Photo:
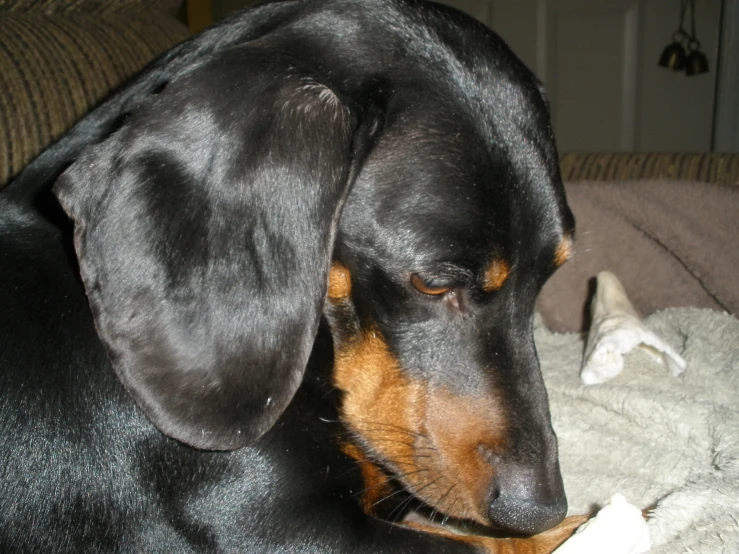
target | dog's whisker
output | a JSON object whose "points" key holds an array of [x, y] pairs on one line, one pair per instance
{"points": [[401, 476], [391, 478], [413, 495], [446, 512], [384, 498], [399, 509], [404, 443], [439, 503], [408, 473], [411, 456], [392, 426], [397, 461], [427, 485]]}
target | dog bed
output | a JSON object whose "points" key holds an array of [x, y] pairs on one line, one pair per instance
{"points": [[668, 444]]}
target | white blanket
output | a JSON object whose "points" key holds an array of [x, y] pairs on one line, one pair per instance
{"points": [[666, 443]]}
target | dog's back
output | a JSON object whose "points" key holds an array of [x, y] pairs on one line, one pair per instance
{"points": [[83, 470], [68, 431]]}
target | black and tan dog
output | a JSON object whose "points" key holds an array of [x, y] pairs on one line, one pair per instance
{"points": [[386, 165]]}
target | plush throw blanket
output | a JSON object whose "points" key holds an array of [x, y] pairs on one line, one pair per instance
{"points": [[666, 443]]}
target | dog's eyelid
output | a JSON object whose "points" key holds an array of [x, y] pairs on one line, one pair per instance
{"points": [[428, 286]]}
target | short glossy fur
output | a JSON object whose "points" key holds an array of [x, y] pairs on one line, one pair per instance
{"points": [[385, 165]]}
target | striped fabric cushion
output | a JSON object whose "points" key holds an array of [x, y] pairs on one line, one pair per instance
{"points": [[53, 68], [623, 166], [91, 6]]}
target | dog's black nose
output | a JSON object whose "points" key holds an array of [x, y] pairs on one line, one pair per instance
{"points": [[527, 500]]}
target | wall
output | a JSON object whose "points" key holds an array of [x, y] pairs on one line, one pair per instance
{"points": [[598, 59], [222, 8]]}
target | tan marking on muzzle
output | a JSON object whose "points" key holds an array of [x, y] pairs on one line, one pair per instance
{"points": [[435, 441], [466, 430], [376, 482], [380, 404], [543, 543]]}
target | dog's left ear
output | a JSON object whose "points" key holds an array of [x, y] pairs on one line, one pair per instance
{"points": [[204, 228]]}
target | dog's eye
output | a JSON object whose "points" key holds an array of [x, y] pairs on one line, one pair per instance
{"points": [[425, 288]]}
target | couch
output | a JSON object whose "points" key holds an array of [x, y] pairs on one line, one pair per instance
{"points": [[58, 58]]}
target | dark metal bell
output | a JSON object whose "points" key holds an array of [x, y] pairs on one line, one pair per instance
{"points": [[673, 57], [696, 63]]}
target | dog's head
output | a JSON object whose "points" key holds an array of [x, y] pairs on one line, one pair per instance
{"points": [[390, 165], [452, 227]]}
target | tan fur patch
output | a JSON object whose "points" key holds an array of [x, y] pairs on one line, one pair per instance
{"points": [[495, 275], [339, 282], [564, 251], [380, 404], [464, 430], [434, 440], [376, 483], [543, 543]]}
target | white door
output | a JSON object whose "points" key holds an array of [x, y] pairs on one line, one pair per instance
{"points": [[598, 60]]}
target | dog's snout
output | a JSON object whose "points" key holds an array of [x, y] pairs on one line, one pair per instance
{"points": [[527, 499]]}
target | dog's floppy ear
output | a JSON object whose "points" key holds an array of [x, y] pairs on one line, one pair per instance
{"points": [[204, 229]]}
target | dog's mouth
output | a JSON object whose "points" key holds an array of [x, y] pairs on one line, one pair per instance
{"points": [[419, 469], [434, 443], [426, 516], [387, 497]]}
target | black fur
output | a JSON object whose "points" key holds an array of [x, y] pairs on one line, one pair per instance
{"points": [[209, 197]]}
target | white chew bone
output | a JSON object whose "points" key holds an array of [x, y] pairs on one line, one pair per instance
{"points": [[618, 528], [615, 331]]}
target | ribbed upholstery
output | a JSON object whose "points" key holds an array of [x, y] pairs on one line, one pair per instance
{"points": [[58, 59], [98, 7], [625, 166]]}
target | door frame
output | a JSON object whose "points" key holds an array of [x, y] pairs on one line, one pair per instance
{"points": [[726, 105]]}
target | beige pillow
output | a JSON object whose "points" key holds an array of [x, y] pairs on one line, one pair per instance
{"points": [[671, 243]]}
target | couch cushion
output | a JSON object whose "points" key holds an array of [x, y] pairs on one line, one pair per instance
{"points": [[91, 6], [707, 167], [671, 243], [54, 68]]}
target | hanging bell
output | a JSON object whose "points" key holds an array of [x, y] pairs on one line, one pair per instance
{"points": [[673, 57], [696, 62]]}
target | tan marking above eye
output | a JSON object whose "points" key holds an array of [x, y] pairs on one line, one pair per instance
{"points": [[339, 282], [495, 275], [419, 285], [564, 251]]}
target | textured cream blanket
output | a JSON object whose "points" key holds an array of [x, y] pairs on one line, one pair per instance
{"points": [[666, 443]]}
